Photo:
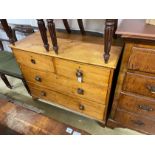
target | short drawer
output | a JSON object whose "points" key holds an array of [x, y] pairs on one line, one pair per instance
{"points": [[84, 72], [36, 61], [142, 59], [140, 84], [65, 85], [137, 104], [86, 107], [135, 122]]}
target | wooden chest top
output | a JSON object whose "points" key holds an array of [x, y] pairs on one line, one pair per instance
{"points": [[85, 49]]}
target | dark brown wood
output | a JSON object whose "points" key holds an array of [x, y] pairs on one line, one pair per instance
{"points": [[1, 46], [66, 25], [20, 120], [8, 30], [11, 33], [134, 99], [51, 27], [136, 28], [26, 86], [108, 35], [80, 23], [4, 78], [43, 33]]}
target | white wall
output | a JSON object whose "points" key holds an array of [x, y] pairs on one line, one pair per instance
{"points": [[95, 25]]}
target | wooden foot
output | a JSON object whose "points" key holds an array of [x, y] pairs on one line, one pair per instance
{"points": [[66, 25], [5, 80], [34, 98], [108, 35], [112, 123], [102, 124], [43, 33], [51, 28]]}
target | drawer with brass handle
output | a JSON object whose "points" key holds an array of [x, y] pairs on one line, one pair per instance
{"points": [[134, 121], [143, 106], [140, 84], [83, 73], [89, 108], [36, 61], [64, 85]]}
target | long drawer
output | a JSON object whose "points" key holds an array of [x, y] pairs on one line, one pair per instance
{"points": [[89, 108], [65, 85], [88, 73], [137, 104], [142, 59], [134, 121], [36, 61], [140, 84]]}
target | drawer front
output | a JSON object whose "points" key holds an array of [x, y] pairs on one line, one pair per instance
{"points": [[87, 73], [137, 104], [89, 108], [135, 122], [140, 84], [142, 59], [64, 85], [36, 61]]}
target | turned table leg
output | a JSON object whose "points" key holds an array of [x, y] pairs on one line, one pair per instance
{"points": [[43, 33], [108, 36], [8, 30], [51, 27], [80, 23], [5, 80], [66, 25]]}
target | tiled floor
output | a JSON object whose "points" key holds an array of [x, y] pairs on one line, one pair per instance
{"points": [[20, 94]]}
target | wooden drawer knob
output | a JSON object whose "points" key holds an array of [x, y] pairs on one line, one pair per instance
{"points": [[38, 78], [43, 93], [80, 91], [145, 108], [81, 107], [33, 61]]}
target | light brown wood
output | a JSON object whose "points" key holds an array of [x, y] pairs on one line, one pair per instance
{"points": [[143, 106], [34, 60], [64, 85], [73, 48], [142, 59], [91, 74], [91, 109], [139, 84]]}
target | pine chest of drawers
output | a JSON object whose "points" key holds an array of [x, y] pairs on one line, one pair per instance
{"points": [[77, 78], [134, 100]]}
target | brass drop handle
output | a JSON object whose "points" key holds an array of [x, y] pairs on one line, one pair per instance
{"points": [[43, 93], [80, 91], [137, 122], [145, 108], [79, 76], [33, 61], [38, 78], [79, 73], [151, 88], [81, 107]]}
